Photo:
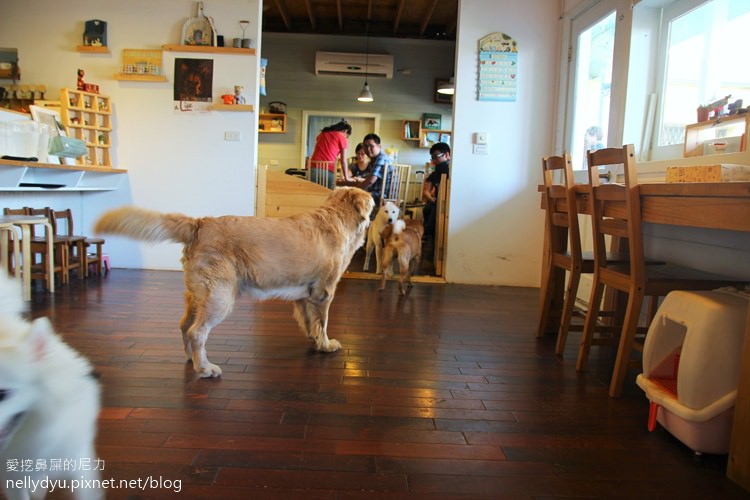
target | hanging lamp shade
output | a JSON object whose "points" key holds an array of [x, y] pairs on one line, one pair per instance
{"points": [[365, 95], [448, 88]]}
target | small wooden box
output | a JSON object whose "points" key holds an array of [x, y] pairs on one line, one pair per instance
{"points": [[708, 173]]}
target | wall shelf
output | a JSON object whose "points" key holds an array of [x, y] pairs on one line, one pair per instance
{"points": [[208, 49], [140, 78], [93, 49], [219, 106], [88, 116], [271, 123], [32, 176]]}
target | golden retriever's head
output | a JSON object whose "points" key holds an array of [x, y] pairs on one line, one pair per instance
{"points": [[360, 199]]}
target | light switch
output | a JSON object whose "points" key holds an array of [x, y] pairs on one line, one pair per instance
{"points": [[480, 137], [479, 149]]}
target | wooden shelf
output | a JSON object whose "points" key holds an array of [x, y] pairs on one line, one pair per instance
{"points": [[93, 49], [207, 49], [410, 130], [33, 176], [219, 106], [88, 116], [271, 123], [140, 78], [727, 127]]}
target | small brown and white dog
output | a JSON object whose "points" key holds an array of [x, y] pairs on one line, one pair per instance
{"points": [[402, 239], [298, 258], [387, 214]]}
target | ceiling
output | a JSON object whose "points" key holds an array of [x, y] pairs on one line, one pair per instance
{"points": [[421, 19]]}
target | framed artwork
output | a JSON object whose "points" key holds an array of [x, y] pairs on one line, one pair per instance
{"points": [[442, 98], [431, 121], [51, 118]]}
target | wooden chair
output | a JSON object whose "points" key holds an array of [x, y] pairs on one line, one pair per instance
{"points": [[562, 250], [616, 212], [93, 257], [38, 245], [63, 230], [395, 186], [317, 172]]}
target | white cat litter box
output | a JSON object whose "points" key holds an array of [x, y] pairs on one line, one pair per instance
{"points": [[691, 366]]}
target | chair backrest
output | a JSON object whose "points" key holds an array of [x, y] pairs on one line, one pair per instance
{"points": [[395, 185], [561, 215], [616, 212], [17, 211], [45, 212], [317, 172], [62, 222]]}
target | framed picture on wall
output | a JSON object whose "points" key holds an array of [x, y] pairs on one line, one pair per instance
{"points": [[431, 121], [442, 98]]}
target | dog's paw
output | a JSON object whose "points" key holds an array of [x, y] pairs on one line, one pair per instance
{"points": [[209, 370], [332, 345]]}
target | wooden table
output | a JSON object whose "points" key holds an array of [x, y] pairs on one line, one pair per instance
{"points": [[24, 222], [723, 205]]}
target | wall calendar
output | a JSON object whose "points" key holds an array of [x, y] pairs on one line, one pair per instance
{"points": [[498, 68]]}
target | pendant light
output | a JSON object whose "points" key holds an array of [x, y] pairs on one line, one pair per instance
{"points": [[447, 88], [365, 95]]}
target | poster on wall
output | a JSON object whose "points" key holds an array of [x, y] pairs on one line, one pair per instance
{"points": [[498, 68], [193, 84]]}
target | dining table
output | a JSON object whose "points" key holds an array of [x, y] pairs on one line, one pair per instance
{"points": [[24, 223], [712, 205]]}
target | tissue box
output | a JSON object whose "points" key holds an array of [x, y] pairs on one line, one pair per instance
{"points": [[708, 173]]}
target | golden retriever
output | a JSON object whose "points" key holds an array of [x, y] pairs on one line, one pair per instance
{"points": [[402, 239], [298, 258]]}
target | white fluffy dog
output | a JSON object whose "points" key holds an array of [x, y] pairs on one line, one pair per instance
{"points": [[49, 403], [387, 214]]}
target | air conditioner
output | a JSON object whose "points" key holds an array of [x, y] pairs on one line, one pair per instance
{"points": [[347, 63]]}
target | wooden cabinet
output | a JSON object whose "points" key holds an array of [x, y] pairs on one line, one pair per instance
{"points": [[271, 123], [88, 116], [728, 134], [412, 131]]}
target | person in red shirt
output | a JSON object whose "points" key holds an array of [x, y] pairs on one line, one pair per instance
{"points": [[330, 144]]}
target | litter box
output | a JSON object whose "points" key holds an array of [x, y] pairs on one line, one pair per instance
{"points": [[691, 365]]}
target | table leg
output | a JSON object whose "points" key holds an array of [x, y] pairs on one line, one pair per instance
{"points": [[48, 234], [26, 256]]}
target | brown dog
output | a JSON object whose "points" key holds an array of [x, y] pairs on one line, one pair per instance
{"points": [[404, 240], [299, 258]]}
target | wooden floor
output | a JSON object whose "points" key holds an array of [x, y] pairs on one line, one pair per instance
{"points": [[443, 394]]}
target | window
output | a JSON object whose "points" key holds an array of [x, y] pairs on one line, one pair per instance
{"points": [[705, 61]]}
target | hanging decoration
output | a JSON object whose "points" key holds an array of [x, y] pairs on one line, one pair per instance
{"points": [[498, 68]]}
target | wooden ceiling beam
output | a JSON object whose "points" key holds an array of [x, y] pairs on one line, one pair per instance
{"points": [[340, 13], [399, 13], [428, 17], [283, 15], [310, 14]]}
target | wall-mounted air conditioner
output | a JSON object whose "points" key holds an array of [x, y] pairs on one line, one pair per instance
{"points": [[351, 64]]}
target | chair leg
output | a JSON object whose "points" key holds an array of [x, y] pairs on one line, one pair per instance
{"points": [[627, 337], [589, 326], [567, 312], [545, 298]]}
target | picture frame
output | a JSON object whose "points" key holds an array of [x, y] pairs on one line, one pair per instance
{"points": [[442, 98], [431, 121], [51, 118]]}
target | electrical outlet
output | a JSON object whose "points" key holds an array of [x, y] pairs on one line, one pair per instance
{"points": [[232, 135]]}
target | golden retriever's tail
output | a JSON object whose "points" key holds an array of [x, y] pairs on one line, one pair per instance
{"points": [[148, 225]]}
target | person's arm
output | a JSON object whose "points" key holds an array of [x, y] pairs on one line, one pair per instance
{"points": [[361, 184], [345, 166]]}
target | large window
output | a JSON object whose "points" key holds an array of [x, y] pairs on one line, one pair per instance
{"points": [[705, 61]]}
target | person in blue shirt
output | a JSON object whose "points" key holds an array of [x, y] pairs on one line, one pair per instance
{"points": [[380, 166]]}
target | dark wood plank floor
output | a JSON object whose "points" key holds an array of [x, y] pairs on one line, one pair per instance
{"points": [[443, 394]]}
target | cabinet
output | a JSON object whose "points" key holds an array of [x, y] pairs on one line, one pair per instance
{"points": [[727, 134], [88, 116], [271, 123], [410, 130]]}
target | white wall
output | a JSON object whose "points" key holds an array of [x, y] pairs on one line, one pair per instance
{"points": [[495, 229], [175, 162]]}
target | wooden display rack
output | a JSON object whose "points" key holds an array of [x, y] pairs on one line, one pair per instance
{"points": [[88, 116], [141, 65]]}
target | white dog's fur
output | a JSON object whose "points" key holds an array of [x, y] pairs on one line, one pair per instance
{"points": [[49, 402], [387, 214], [299, 258]]}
